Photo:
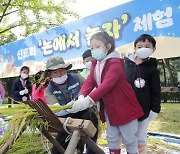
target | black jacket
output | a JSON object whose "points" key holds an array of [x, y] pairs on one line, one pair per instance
{"points": [[17, 87], [145, 81]]}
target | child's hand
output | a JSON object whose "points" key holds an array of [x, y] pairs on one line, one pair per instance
{"points": [[152, 116], [80, 97], [26, 90], [22, 92], [80, 105]]}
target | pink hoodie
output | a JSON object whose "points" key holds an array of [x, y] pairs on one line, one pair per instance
{"points": [[2, 91], [38, 94]]}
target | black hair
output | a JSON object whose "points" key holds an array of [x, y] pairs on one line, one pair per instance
{"points": [[24, 68], [86, 54], [38, 75], [105, 38], [143, 38], [41, 75]]}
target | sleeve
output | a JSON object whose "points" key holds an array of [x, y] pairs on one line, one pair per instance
{"points": [[29, 87], [155, 90], [34, 92], [51, 99], [113, 73], [15, 91]]}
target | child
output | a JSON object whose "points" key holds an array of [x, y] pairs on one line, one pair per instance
{"points": [[118, 104], [143, 75], [87, 61], [39, 87], [21, 87]]}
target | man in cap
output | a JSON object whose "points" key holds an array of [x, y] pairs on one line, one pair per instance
{"points": [[87, 61], [62, 89]]}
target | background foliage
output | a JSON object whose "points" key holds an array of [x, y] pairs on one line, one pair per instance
{"points": [[32, 16]]}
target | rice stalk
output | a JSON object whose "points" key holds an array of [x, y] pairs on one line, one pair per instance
{"points": [[22, 115]]}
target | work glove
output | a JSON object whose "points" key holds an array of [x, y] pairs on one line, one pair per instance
{"points": [[62, 113], [56, 104], [25, 90], [22, 92], [152, 116], [80, 97], [81, 104]]}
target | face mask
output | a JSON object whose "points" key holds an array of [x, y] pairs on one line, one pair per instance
{"points": [[144, 53], [60, 80], [88, 64], [24, 75], [98, 54]]}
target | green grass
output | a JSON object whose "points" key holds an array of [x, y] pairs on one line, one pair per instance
{"points": [[168, 120]]}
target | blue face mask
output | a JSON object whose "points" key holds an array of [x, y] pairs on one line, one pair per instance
{"points": [[98, 54]]}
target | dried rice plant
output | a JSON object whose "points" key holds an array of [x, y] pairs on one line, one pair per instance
{"points": [[21, 115]]}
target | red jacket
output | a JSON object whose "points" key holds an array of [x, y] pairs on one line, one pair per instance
{"points": [[118, 98], [38, 94]]}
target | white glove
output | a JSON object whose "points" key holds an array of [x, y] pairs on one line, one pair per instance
{"points": [[26, 90], [80, 97], [56, 104], [62, 113], [152, 116], [70, 103], [98, 105], [22, 92], [81, 104]]}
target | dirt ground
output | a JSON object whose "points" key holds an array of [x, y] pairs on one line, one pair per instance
{"points": [[152, 149]]}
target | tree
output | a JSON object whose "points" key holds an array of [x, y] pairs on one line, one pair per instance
{"points": [[169, 68], [32, 16]]}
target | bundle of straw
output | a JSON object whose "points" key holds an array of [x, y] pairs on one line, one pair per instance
{"points": [[22, 115]]}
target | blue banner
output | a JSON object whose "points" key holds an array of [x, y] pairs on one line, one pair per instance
{"points": [[159, 18]]}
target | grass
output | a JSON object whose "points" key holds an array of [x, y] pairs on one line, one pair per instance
{"points": [[168, 122]]}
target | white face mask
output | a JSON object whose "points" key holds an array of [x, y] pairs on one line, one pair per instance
{"points": [[88, 64], [24, 75], [144, 53], [60, 80]]}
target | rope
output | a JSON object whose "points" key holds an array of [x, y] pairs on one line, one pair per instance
{"points": [[81, 125], [65, 128]]}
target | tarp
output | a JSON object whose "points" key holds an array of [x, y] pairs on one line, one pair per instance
{"points": [[159, 18]]}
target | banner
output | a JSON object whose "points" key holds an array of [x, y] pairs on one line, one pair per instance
{"points": [[159, 18]]}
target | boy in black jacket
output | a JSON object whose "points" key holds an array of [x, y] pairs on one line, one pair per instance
{"points": [[143, 75]]}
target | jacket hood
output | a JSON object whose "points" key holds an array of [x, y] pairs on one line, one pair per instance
{"points": [[148, 61], [113, 54]]}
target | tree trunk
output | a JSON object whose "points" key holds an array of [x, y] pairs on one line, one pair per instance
{"points": [[166, 62]]}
